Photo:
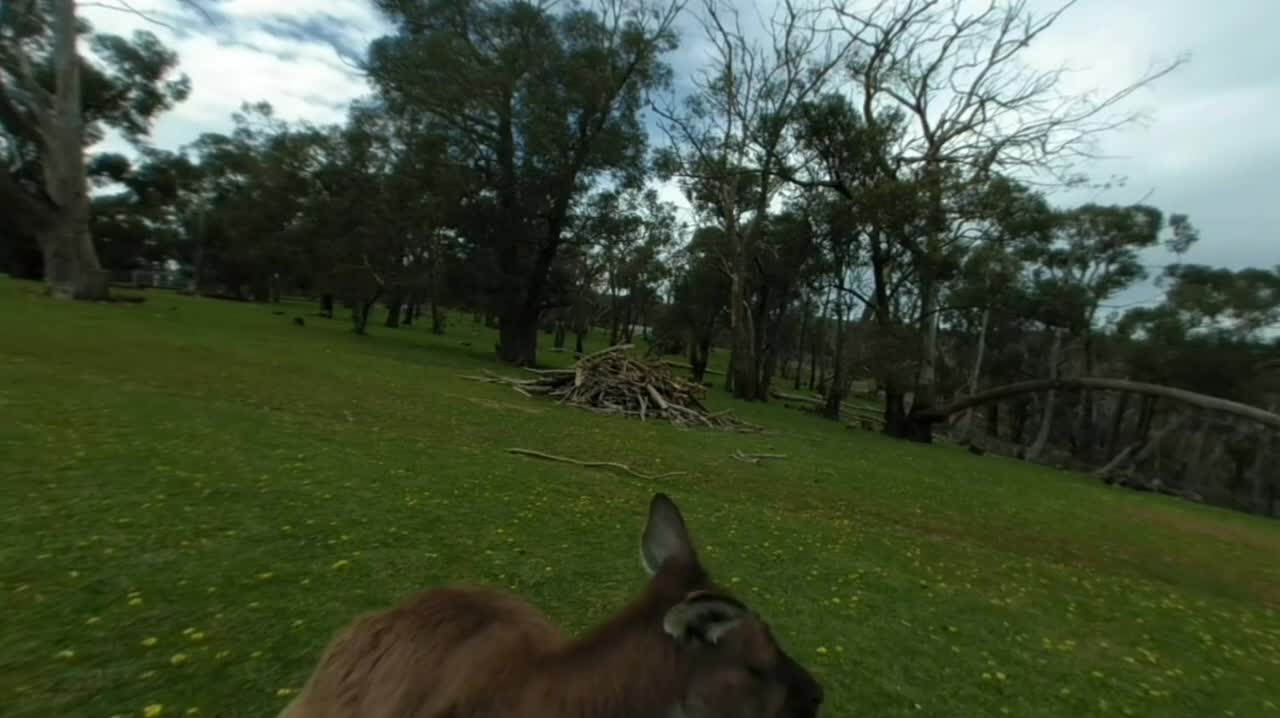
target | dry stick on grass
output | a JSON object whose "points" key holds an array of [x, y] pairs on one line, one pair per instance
{"points": [[755, 458], [591, 464]]}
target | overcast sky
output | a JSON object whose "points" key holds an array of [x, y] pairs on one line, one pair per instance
{"points": [[1211, 149]]}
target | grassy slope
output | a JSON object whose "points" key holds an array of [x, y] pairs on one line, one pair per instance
{"points": [[207, 475]]}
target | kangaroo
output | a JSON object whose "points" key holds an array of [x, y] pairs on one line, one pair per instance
{"points": [[683, 647]]}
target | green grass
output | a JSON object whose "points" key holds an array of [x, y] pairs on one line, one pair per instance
{"points": [[210, 476]]}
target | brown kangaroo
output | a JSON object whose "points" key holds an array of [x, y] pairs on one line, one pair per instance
{"points": [[683, 648]]}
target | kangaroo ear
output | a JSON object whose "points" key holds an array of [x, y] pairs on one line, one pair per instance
{"points": [[665, 535], [703, 616]]}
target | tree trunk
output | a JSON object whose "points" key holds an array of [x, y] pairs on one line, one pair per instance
{"points": [[1140, 450], [629, 327], [518, 323], [561, 334], [835, 391], [1258, 471], [614, 321], [1117, 423], [1084, 429], [895, 407], [360, 311], [804, 331], [699, 352], [1198, 466], [926, 379], [925, 394], [1046, 419], [697, 363], [895, 410], [1145, 415], [72, 270], [993, 420], [438, 317], [814, 347], [518, 339], [410, 311], [394, 303], [326, 305], [1021, 412], [742, 359], [967, 432], [819, 339]]}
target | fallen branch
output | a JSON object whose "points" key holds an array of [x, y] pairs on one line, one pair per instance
{"points": [[593, 464], [754, 458], [1202, 401]]}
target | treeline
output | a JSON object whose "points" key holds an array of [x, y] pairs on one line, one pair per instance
{"points": [[867, 193]]}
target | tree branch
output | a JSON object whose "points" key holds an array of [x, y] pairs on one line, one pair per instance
{"points": [[1203, 401]]}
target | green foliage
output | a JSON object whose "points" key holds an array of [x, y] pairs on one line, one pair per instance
{"points": [[702, 286], [132, 85], [1093, 253], [540, 104], [237, 489], [125, 82], [1246, 301]]}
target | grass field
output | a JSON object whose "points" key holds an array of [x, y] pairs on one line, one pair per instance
{"points": [[196, 494]]}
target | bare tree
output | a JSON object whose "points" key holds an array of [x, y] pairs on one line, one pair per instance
{"points": [[729, 138], [975, 107]]}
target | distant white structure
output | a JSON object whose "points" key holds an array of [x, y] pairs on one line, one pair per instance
{"points": [[158, 279]]}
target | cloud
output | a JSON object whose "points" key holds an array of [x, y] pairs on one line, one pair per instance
{"points": [[252, 51], [1210, 148]]}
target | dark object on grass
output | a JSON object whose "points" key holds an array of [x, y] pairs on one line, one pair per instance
{"points": [[976, 450], [300, 321]]}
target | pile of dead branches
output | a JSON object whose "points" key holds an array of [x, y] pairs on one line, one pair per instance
{"points": [[612, 382]]}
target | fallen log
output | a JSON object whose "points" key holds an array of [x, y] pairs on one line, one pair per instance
{"points": [[1202, 401]]}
